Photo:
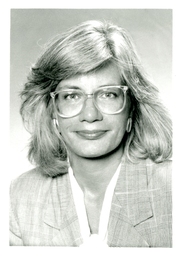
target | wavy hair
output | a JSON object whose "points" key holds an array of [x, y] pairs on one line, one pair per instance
{"points": [[82, 49]]}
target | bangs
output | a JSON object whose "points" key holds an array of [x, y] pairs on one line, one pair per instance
{"points": [[80, 56], [85, 49]]}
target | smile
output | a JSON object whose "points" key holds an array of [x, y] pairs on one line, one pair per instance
{"points": [[91, 135]]}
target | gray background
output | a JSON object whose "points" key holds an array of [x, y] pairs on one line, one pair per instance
{"points": [[151, 31]]}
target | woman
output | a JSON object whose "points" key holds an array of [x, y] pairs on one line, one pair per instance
{"points": [[101, 141]]}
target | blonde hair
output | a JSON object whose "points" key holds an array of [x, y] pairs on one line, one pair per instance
{"points": [[82, 49]]}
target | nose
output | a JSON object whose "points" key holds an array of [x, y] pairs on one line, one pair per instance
{"points": [[89, 112]]}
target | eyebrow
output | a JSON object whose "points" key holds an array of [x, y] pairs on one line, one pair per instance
{"points": [[69, 87]]}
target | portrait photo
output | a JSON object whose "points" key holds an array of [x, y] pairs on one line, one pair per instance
{"points": [[91, 128]]}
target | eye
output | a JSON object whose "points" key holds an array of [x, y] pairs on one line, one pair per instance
{"points": [[73, 96], [108, 95]]}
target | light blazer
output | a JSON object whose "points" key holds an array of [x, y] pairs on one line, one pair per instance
{"points": [[43, 211]]}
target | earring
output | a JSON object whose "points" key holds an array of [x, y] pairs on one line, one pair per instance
{"points": [[55, 122], [129, 124]]}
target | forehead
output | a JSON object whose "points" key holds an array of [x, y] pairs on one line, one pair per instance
{"points": [[108, 75]]}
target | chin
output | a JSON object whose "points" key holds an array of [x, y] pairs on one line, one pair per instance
{"points": [[95, 153], [89, 153], [94, 149]]}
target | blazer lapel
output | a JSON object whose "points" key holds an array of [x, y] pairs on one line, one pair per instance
{"points": [[130, 206], [61, 215]]}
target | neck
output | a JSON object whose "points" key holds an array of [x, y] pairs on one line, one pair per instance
{"points": [[94, 174]]}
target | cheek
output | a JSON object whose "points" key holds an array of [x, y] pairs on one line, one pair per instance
{"points": [[118, 124], [119, 127], [63, 126], [119, 121]]}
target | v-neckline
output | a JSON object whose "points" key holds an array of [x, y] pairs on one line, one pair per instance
{"points": [[81, 209]]}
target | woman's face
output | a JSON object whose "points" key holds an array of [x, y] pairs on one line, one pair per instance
{"points": [[92, 133]]}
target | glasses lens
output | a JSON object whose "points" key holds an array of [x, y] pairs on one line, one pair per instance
{"points": [[110, 100], [69, 103]]}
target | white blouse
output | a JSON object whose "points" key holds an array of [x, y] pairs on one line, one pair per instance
{"points": [[100, 239]]}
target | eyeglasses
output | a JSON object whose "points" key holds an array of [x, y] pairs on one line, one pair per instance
{"points": [[110, 99]]}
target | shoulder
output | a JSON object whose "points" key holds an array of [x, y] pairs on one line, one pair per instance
{"points": [[30, 180], [159, 174], [32, 184]]}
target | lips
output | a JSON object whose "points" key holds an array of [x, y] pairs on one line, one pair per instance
{"points": [[91, 134]]}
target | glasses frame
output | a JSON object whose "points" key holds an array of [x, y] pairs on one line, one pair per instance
{"points": [[124, 88]]}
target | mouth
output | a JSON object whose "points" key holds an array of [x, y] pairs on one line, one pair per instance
{"points": [[91, 135]]}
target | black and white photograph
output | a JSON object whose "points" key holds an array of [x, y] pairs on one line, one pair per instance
{"points": [[91, 128]]}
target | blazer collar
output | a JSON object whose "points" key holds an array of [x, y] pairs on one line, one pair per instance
{"points": [[60, 213], [60, 206], [130, 205], [131, 192]]}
